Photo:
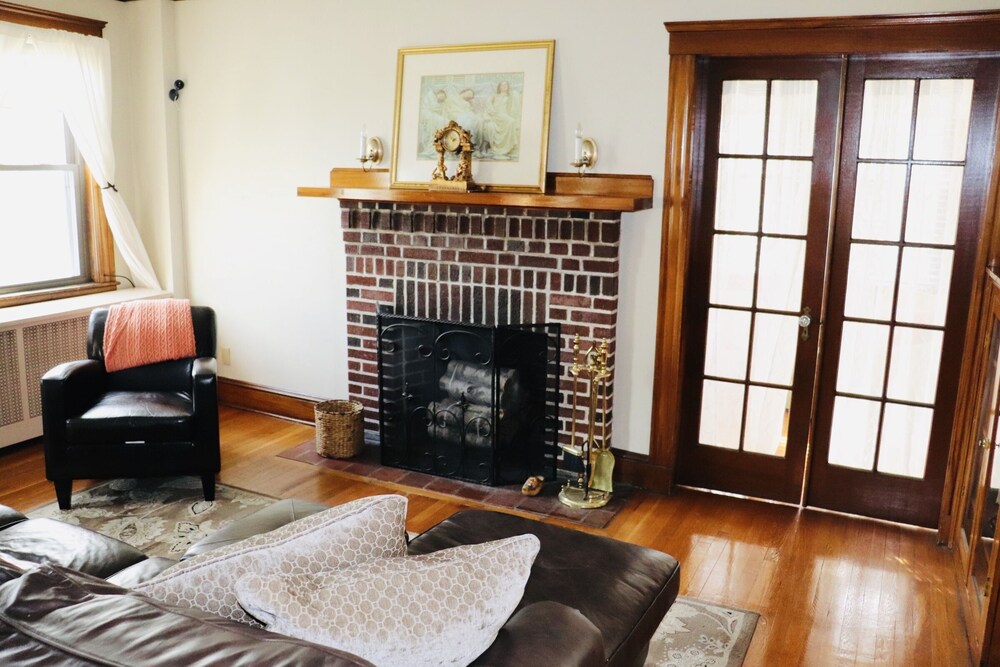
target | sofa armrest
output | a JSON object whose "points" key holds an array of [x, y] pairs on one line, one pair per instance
{"points": [[55, 616], [546, 633]]}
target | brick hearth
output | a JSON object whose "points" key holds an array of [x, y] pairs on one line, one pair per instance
{"points": [[481, 265]]}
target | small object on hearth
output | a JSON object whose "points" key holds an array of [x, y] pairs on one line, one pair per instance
{"points": [[340, 429], [533, 485]]}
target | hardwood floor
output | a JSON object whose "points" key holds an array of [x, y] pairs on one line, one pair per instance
{"points": [[831, 590]]}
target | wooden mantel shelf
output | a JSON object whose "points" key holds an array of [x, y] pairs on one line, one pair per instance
{"points": [[592, 192]]}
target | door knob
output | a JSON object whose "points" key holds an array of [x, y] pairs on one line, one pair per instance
{"points": [[805, 319]]}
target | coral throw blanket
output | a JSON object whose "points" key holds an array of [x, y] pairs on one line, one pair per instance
{"points": [[146, 332]]}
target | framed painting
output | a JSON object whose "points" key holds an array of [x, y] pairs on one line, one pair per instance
{"points": [[500, 93]]}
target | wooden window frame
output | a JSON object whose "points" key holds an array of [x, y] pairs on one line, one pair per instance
{"points": [[952, 32], [100, 245]]}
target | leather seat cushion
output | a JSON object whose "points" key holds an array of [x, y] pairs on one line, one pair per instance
{"points": [[50, 541], [623, 589], [120, 416]]}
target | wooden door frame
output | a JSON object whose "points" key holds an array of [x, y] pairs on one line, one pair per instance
{"points": [[951, 32]]}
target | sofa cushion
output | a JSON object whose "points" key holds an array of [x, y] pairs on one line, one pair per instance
{"points": [[263, 520], [349, 534], [443, 608], [623, 589], [141, 572], [59, 618], [50, 541]]}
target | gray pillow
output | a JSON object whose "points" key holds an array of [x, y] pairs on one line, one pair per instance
{"points": [[439, 609], [350, 534]]}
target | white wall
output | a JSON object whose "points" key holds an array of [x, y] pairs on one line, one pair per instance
{"points": [[276, 95]]}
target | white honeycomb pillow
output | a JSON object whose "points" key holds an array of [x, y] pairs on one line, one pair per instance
{"points": [[439, 609], [342, 536]]}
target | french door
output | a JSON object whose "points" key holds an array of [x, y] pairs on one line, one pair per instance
{"points": [[835, 232], [759, 251]]}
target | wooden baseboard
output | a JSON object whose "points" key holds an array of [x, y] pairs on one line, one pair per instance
{"points": [[636, 469], [268, 401]]}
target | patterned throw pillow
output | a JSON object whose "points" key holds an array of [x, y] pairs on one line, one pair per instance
{"points": [[343, 536], [442, 608]]}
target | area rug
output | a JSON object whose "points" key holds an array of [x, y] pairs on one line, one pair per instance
{"points": [[368, 467], [158, 516], [699, 634]]}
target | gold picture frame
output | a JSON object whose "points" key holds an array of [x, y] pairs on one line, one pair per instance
{"points": [[501, 93]]}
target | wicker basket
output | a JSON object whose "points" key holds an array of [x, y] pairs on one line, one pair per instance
{"points": [[340, 430]]}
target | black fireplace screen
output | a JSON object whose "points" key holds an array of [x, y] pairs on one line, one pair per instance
{"points": [[471, 402]]}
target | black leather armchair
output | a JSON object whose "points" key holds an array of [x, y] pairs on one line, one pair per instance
{"points": [[149, 421]]}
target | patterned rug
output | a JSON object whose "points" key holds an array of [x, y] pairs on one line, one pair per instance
{"points": [[158, 516], [699, 634]]}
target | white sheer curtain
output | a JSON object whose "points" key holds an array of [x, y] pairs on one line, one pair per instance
{"points": [[72, 73], [10, 53]]}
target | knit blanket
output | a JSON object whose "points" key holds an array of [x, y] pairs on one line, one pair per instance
{"points": [[146, 332]]}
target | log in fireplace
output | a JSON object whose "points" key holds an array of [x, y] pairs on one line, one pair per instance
{"points": [[472, 402]]}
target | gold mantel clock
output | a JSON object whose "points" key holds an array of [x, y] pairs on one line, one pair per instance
{"points": [[453, 139]]}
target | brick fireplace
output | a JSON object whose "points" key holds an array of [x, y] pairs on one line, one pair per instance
{"points": [[486, 265]]}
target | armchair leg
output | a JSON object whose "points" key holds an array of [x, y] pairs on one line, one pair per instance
{"points": [[208, 486], [64, 491]]}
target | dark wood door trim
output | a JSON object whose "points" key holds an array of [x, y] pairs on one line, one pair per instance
{"points": [[898, 33], [682, 112]]}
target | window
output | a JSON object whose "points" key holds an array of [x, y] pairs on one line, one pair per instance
{"points": [[41, 203], [54, 239]]}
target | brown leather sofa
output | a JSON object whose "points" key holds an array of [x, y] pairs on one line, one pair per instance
{"points": [[589, 600]]}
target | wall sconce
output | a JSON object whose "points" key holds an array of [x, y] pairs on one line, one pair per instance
{"points": [[370, 151], [584, 151]]}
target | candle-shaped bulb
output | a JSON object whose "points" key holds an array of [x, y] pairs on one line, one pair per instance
{"points": [[363, 153], [578, 144]]}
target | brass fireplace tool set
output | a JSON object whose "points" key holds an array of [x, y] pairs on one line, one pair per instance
{"points": [[592, 487]]}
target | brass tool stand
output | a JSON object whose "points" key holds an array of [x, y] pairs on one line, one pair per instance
{"points": [[593, 487]]}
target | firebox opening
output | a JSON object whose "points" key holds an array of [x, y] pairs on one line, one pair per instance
{"points": [[466, 401]]}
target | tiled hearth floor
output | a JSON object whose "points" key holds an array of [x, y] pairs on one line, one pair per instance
{"points": [[368, 466]]}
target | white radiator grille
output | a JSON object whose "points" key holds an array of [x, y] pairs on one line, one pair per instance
{"points": [[11, 400], [47, 345]]}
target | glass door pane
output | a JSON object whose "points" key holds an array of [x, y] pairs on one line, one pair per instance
{"points": [[899, 270], [758, 258]]}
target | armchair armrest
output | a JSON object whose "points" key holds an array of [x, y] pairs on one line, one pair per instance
{"points": [[68, 390], [546, 633], [203, 384], [205, 403], [204, 367]]}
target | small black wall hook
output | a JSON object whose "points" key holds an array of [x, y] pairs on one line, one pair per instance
{"points": [[175, 92]]}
